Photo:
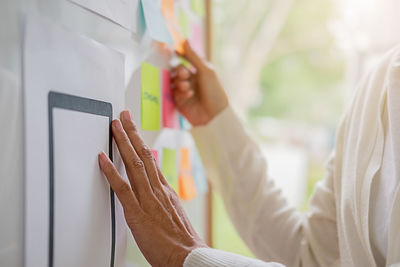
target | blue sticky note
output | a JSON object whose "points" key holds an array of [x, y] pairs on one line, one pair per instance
{"points": [[142, 22], [153, 21], [183, 123], [199, 173]]}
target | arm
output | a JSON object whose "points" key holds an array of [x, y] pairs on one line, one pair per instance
{"points": [[236, 168], [272, 229]]}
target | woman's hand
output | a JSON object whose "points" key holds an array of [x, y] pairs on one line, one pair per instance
{"points": [[152, 210], [198, 93]]}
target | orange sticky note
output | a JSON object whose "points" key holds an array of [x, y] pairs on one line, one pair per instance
{"points": [[187, 189], [185, 160], [168, 11]]}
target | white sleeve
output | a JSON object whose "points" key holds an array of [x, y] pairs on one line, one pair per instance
{"points": [[272, 229], [208, 257]]}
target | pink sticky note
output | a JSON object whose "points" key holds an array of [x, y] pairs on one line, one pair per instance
{"points": [[169, 112], [197, 40], [155, 154]]}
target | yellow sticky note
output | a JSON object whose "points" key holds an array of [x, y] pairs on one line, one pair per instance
{"points": [[169, 167], [184, 62], [187, 189], [198, 7], [150, 97]]}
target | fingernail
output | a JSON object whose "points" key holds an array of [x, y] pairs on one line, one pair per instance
{"points": [[102, 158], [117, 125], [126, 115]]}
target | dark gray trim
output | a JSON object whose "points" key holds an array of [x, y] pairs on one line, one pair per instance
{"points": [[86, 105]]}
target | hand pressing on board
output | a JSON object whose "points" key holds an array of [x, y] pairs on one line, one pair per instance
{"points": [[198, 93], [152, 209]]}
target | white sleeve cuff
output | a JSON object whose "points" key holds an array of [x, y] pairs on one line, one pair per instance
{"points": [[208, 257]]}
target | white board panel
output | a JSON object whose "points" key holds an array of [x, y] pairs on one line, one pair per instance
{"points": [[78, 20], [79, 215], [87, 77], [123, 12]]}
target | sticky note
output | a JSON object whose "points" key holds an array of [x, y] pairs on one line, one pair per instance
{"points": [[169, 167], [155, 154], [183, 123], [154, 21], [185, 164], [168, 10], [197, 40], [199, 174], [184, 62], [187, 188], [169, 112], [142, 21], [198, 7], [150, 97], [184, 23]]}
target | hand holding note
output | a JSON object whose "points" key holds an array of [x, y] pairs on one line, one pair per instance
{"points": [[151, 207], [198, 94]]}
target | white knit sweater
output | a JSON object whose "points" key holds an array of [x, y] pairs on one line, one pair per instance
{"points": [[341, 227]]}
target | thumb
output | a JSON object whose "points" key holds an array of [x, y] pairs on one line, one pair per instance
{"points": [[190, 55]]}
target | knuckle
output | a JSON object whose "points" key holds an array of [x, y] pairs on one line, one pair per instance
{"points": [[137, 163], [158, 192], [108, 168], [136, 218], [146, 152], [131, 208], [185, 85], [172, 195], [123, 188], [130, 126]]}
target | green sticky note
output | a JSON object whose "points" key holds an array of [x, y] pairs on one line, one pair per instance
{"points": [[198, 7], [169, 167], [150, 97], [184, 23], [184, 62]]}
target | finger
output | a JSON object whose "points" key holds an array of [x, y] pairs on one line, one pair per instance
{"points": [[181, 98], [183, 95], [133, 164], [121, 188], [190, 55], [143, 151], [150, 164], [176, 206], [183, 86], [181, 73]]}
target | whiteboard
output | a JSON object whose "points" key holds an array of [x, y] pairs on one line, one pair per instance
{"points": [[98, 28]]}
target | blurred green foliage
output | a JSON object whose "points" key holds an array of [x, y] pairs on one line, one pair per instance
{"points": [[302, 78], [225, 236]]}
